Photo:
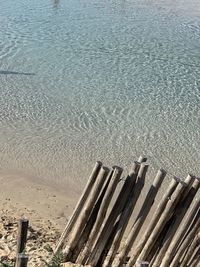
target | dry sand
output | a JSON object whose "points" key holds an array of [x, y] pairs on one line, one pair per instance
{"points": [[47, 209]]}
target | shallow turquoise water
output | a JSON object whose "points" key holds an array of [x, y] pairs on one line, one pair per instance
{"points": [[82, 81]]}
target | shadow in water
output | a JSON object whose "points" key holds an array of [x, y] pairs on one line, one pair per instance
{"points": [[7, 72], [56, 4]]}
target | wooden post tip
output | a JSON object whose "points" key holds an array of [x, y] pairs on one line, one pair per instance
{"points": [[142, 264]]}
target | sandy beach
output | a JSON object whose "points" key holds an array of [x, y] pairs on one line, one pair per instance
{"points": [[47, 209]]}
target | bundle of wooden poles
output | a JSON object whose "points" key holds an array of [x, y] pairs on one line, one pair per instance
{"points": [[95, 234]]}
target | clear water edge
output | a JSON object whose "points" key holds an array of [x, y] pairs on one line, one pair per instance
{"points": [[95, 80]]}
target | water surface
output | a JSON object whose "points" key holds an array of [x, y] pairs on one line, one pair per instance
{"points": [[83, 80]]}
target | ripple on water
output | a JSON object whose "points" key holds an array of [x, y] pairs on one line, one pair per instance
{"points": [[110, 81]]}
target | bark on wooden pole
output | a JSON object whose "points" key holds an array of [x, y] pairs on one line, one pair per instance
{"points": [[148, 202], [22, 235], [178, 215], [85, 213], [101, 215], [187, 240], [190, 251], [195, 260], [21, 260], [154, 220], [116, 210], [142, 264], [91, 221], [124, 217], [171, 251], [79, 206], [165, 216]]}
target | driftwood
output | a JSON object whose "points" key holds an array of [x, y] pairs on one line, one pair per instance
{"points": [[79, 206]]}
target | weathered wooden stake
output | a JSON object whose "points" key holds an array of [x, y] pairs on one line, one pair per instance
{"points": [[101, 215], [144, 211], [79, 206], [154, 221], [85, 213], [142, 159], [165, 216], [22, 260], [125, 216], [91, 221], [171, 251], [178, 215], [116, 210], [22, 235], [195, 227], [142, 264], [190, 251], [195, 259]]}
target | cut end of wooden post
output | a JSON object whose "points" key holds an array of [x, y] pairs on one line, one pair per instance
{"points": [[134, 168], [23, 219], [142, 159], [188, 180], [162, 171]]}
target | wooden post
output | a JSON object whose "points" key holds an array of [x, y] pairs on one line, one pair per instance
{"points": [[171, 251], [195, 259], [125, 216], [144, 211], [85, 213], [122, 223], [22, 260], [142, 159], [142, 264], [101, 215], [188, 239], [178, 215], [165, 216], [190, 251], [22, 235], [116, 210], [154, 221], [79, 206], [91, 221]]}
